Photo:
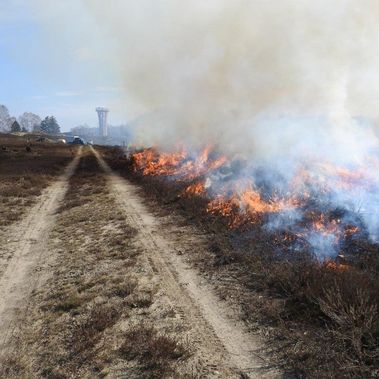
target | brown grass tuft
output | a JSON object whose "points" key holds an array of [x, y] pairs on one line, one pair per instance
{"points": [[154, 351]]}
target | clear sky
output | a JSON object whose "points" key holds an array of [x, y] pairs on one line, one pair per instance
{"points": [[54, 61]]}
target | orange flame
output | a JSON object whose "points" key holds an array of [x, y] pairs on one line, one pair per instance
{"points": [[248, 205], [195, 189], [150, 162], [228, 208], [334, 266]]}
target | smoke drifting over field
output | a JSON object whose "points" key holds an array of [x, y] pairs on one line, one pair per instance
{"points": [[289, 87], [242, 73]]}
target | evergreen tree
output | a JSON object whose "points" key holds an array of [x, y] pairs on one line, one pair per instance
{"points": [[15, 127], [50, 125]]}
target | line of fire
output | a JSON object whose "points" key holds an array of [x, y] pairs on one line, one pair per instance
{"points": [[321, 208]]}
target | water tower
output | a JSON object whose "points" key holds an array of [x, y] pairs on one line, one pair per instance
{"points": [[103, 125]]}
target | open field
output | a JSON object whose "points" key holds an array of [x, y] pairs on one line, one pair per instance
{"points": [[26, 168], [101, 288], [189, 189], [115, 276]]}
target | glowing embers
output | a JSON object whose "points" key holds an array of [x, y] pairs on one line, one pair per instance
{"points": [[335, 266], [195, 189], [228, 208]]}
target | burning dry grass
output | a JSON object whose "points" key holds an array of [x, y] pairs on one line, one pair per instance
{"points": [[24, 174], [315, 206], [86, 313], [322, 316], [179, 164]]}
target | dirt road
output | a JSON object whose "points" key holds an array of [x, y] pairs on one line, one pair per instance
{"points": [[222, 342], [25, 257], [94, 285]]}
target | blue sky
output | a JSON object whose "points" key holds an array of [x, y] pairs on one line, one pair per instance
{"points": [[53, 61]]}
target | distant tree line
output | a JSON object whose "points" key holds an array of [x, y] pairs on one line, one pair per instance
{"points": [[27, 122]]}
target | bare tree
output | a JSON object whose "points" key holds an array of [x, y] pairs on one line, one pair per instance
{"points": [[5, 119], [30, 121]]}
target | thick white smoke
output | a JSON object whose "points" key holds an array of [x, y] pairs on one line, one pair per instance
{"points": [[284, 84], [251, 76]]}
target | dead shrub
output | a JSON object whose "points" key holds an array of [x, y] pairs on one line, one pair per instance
{"points": [[123, 289], [11, 367], [143, 300], [155, 352], [354, 318], [70, 301], [100, 318], [88, 332]]}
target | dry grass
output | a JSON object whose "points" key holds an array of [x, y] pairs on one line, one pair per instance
{"points": [[23, 174], [153, 351], [94, 296], [321, 320]]}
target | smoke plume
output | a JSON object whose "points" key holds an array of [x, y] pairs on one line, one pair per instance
{"points": [[287, 86], [251, 76]]}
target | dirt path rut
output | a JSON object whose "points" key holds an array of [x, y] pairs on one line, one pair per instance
{"points": [[27, 240], [224, 343]]}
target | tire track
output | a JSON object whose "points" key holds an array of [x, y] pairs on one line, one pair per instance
{"points": [[224, 344], [25, 270]]}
